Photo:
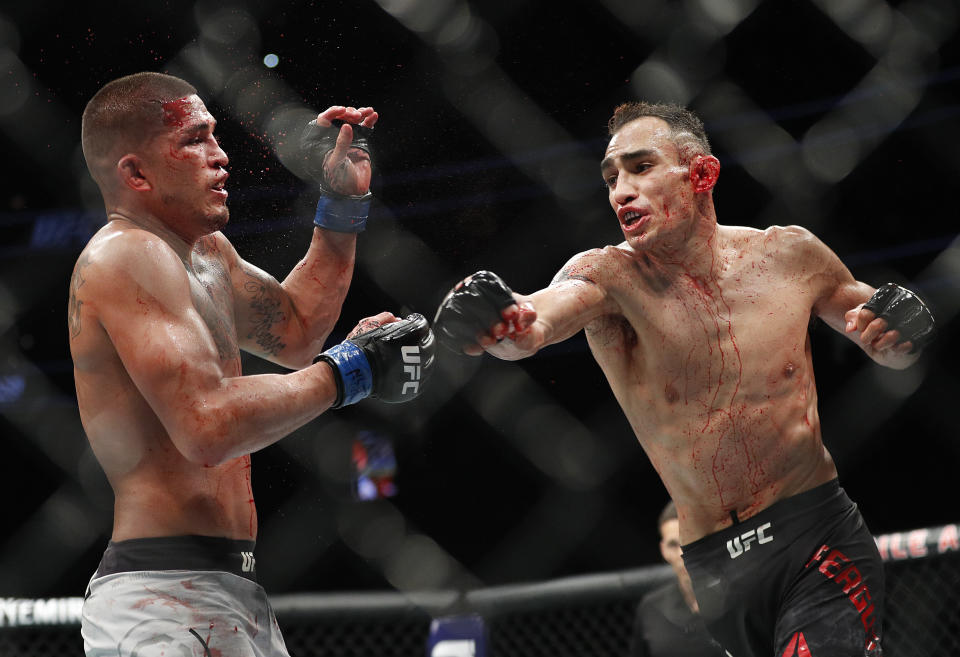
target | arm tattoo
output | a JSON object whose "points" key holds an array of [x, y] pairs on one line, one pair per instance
{"points": [[73, 309], [567, 274], [266, 313]]}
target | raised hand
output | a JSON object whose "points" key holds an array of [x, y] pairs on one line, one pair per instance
{"points": [[337, 147]]}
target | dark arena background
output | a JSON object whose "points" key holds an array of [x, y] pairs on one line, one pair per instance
{"points": [[516, 491]]}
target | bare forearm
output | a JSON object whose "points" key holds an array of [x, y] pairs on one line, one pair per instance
{"points": [[516, 346], [247, 413], [551, 315], [318, 285], [889, 324], [288, 322]]}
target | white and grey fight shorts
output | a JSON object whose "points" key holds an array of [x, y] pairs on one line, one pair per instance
{"points": [[182, 596]]}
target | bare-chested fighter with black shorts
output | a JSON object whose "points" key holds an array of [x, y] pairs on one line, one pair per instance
{"points": [[160, 306], [702, 332]]}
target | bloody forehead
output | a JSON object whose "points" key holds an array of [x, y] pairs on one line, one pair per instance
{"points": [[176, 113]]}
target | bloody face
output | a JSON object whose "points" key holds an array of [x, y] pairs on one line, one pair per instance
{"points": [[188, 170], [648, 187]]}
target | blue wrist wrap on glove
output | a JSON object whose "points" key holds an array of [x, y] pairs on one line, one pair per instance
{"points": [[354, 370], [343, 215]]}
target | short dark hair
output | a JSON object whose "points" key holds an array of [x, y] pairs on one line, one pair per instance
{"points": [[126, 112], [686, 128], [669, 513]]}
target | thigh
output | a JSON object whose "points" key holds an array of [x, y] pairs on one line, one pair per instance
{"points": [[179, 614], [166, 637], [835, 608], [166, 633], [738, 606]]}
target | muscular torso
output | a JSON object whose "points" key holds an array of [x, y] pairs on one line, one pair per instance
{"points": [[158, 492], [714, 374]]}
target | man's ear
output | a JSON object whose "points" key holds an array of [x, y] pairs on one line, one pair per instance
{"points": [[704, 171], [130, 170]]}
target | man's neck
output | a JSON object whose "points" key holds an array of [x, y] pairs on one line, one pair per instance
{"points": [[181, 245], [695, 255]]}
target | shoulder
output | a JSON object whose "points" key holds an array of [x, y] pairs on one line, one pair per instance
{"points": [[119, 259], [790, 247], [768, 240], [594, 265], [790, 240], [800, 255]]}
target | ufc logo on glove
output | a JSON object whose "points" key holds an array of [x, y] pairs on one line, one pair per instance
{"points": [[411, 354], [387, 363]]}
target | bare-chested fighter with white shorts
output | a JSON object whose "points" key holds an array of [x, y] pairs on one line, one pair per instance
{"points": [[702, 332], [160, 306]]}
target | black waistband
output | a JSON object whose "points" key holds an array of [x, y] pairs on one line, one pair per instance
{"points": [[179, 553], [780, 510]]}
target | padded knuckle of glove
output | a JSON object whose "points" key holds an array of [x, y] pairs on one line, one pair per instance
{"points": [[905, 313], [401, 356], [470, 309]]}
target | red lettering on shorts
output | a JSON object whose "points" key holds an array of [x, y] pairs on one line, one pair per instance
{"points": [[797, 647], [860, 598], [833, 565], [816, 555], [868, 619], [849, 579]]}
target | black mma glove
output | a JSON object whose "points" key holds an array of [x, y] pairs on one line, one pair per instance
{"points": [[905, 312], [471, 308], [390, 363], [343, 213]]}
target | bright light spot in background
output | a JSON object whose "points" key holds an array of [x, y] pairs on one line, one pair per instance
{"points": [[271, 60]]}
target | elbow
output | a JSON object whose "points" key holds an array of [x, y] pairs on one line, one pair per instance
{"points": [[201, 450], [205, 437]]}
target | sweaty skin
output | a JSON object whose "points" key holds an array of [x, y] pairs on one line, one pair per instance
{"points": [[161, 305], [702, 332]]}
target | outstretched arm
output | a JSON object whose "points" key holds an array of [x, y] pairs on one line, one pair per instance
{"points": [[289, 322], [482, 314]]}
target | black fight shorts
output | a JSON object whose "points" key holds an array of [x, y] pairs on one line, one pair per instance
{"points": [[802, 578]]}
